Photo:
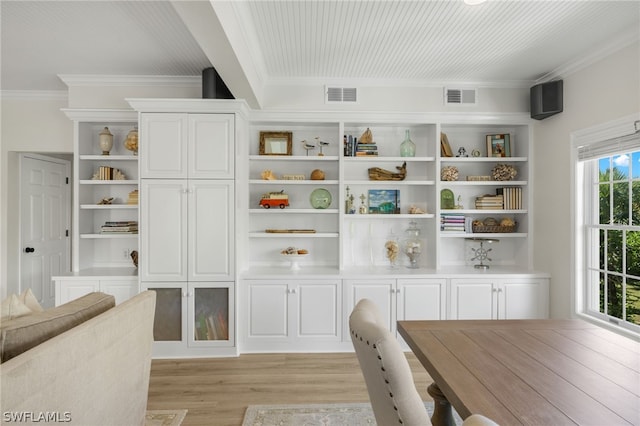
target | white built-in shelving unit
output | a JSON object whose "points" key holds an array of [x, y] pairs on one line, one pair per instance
{"points": [[346, 241]]}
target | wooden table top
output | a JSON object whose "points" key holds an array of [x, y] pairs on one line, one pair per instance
{"points": [[531, 372]]}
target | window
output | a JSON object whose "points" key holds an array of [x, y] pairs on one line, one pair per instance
{"points": [[608, 229]]}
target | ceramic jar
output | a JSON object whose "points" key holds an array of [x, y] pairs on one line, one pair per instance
{"points": [[106, 141]]}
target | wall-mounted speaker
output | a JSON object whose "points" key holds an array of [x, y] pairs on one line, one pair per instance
{"points": [[546, 99], [213, 86]]}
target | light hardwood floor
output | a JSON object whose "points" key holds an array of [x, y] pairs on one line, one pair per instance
{"points": [[217, 391]]}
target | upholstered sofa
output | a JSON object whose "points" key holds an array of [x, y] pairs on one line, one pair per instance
{"points": [[95, 373]]}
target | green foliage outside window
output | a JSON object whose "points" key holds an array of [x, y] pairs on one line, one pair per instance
{"points": [[619, 258]]}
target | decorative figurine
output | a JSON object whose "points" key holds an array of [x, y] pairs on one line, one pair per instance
{"points": [[322, 144], [308, 146], [268, 175], [459, 206], [274, 199], [462, 152], [348, 202], [363, 208], [481, 253]]}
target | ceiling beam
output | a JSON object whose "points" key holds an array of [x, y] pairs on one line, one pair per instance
{"points": [[224, 45]]}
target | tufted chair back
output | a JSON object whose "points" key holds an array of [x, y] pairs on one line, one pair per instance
{"points": [[394, 397]]}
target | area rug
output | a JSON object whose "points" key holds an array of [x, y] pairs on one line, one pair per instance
{"points": [[353, 414], [164, 417]]}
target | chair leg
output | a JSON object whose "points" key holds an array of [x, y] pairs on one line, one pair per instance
{"points": [[442, 414]]}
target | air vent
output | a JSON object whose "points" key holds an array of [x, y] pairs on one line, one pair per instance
{"points": [[459, 96], [341, 94]]}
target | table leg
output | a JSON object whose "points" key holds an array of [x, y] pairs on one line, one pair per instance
{"points": [[442, 415]]}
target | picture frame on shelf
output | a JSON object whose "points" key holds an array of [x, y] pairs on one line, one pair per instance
{"points": [[445, 148], [384, 201], [499, 145], [276, 143]]}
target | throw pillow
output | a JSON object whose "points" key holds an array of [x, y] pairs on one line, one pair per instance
{"points": [[29, 299], [12, 308]]}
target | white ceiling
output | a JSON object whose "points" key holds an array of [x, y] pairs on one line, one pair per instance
{"points": [[383, 42]]}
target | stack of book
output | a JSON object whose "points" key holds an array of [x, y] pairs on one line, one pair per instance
{"points": [[452, 222], [512, 196], [133, 197], [353, 148], [120, 227], [489, 202], [364, 149], [105, 173]]}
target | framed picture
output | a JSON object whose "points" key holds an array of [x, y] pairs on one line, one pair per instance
{"points": [[276, 143], [384, 201], [499, 145], [445, 148]]}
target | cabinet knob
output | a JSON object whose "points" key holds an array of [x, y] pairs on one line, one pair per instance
{"points": [[29, 250]]}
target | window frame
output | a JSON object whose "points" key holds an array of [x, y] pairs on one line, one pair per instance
{"points": [[586, 227]]}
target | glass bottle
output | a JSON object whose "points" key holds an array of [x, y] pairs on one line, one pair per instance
{"points": [[412, 245], [407, 147]]}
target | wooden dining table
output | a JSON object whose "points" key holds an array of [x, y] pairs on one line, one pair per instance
{"points": [[529, 372]]}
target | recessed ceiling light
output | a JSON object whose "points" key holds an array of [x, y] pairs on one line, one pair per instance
{"points": [[474, 2]]}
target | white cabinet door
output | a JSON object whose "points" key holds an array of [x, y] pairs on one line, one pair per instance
{"points": [[421, 299], [211, 146], [199, 146], [499, 299], [74, 287], [163, 150], [291, 315], [211, 230], [120, 289], [473, 299], [315, 309], [402, 299], [68, 290], [379, 291], [267, 310], [163, 230], [523, 299]]}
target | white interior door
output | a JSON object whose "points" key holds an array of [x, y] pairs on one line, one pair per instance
{"points": [[44, 224]]}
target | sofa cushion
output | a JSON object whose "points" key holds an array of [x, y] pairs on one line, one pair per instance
{"points": [[21, 334], [29, 299], [12, 307]]}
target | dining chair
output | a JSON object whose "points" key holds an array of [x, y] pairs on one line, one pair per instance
{"points": [[392, 391]]}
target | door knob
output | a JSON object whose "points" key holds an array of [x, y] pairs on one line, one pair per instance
{"points": [[29, 250]]}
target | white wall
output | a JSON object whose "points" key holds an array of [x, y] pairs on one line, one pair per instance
{"points": [[28, 125], [604, 91], [394, 98]]}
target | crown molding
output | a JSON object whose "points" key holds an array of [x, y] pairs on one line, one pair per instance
{"points": [[77, 80], [35, 95]]}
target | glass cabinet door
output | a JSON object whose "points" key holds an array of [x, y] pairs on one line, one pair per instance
{"points": [[211, 314], [168, 324]]}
